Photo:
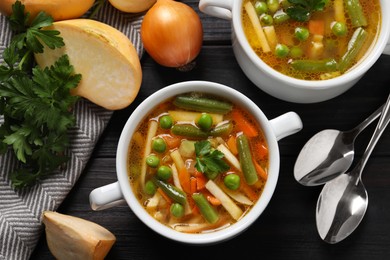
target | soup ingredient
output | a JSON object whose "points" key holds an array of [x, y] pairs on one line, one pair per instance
{"points": [[69, 237], [246, 162], [210, 162], [164, 173], [301, 10], [104, 56], [188, 130], [315, 65], [177, 210], [150, 188], [281, 50], [152, 161], [301, 33], [355, 12], [339, 29], [261, 7], [132, 6], [202, 104], [205, 121], [159, 145], [232, 181], [207, 211], [35, 122], [166, 122], [58, 9], [171, 191], [354, 46], [172, 33], [250, 9]]}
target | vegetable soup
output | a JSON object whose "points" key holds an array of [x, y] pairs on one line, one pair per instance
{"points": [[198, 163], [311, 39]]}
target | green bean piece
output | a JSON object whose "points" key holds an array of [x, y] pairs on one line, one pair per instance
{"points": [[354, 46], [202, 104], [222, 129], [150, 188], [285, 4], [232, 181], [152, 160], [164, 173], [159, 145], [301, 33], [207, 211], [280, 17], [266, 19], [273, 5], [261, 7], [173, 192], [281, 50], [205, 122], [339, 29], [246, 162], [189, 131], [177, 210], [166, 122], [325, 65], [356, 14]]}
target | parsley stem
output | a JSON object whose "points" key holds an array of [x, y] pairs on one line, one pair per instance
{"points": [[24, 58]]}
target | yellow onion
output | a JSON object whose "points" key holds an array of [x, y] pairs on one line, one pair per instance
{"points": [[172, 33]]}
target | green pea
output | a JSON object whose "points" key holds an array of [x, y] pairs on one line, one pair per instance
{"points": [[177, 210], [266, 19], [166, 122], [273, 5], [281, 50], [280, 17], [339, 29], [232, 181], [301, 33], [152, 160], [150, 188], [159, 145], [205, 121], [296, 52], [261, 7], [164, 173]]}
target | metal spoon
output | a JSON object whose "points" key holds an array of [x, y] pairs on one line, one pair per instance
{"points": [[328, 154], [343, 201]]}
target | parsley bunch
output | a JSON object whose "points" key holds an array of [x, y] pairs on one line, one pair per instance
{"points": [[36, 103], [301, 10], [209, 161]]}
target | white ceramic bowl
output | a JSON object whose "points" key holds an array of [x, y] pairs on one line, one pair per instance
{"points": [[275, 129], [280, 85]]}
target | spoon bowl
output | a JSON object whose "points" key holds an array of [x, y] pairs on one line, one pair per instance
{"points": [[328, 154]]}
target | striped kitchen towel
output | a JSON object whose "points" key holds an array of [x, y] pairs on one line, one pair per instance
{"points": [[20, 210]]}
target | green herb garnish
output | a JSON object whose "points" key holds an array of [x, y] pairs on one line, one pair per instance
{"points": [[301, 10], [209, 161], [36, 103]]}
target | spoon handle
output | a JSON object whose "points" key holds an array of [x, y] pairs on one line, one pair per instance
{"points": [[359, 128], [381, 126]]}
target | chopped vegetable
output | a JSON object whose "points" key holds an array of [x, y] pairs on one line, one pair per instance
{"points": [[189, 131], [171, 191], [356, 13], [187, 116], [187, 148], [222, 129], [230, 157], [183, 174], [202, 104], [301, 10], [316, 27], [227, 203], [354, 47], [246, 162], [272, 38], [207, 211], [339, 11], [315, 65], [243, 124]]}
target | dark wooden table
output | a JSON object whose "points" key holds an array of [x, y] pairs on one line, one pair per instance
{"points": [[287, 229]]}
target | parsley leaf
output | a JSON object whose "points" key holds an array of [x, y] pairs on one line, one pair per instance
{"points": [[208, 161], [301, 10], [36, 103]]}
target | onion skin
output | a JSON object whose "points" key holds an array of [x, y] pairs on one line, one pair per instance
{"points": [[172, 33]]}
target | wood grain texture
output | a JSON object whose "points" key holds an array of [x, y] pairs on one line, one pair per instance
{"points": [[287, 228]]}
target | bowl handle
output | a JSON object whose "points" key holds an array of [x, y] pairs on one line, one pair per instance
{"points": [[218, 8], [286, 124], [106, 197]]}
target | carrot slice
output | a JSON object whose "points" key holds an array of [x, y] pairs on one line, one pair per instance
{"points": [[249, 192], [193, 185], [164, 195], [317, 27], [210, 198], [200, 181], [243, 124], [171, 141], [231, 142], [260, 171], [184, 177]]}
